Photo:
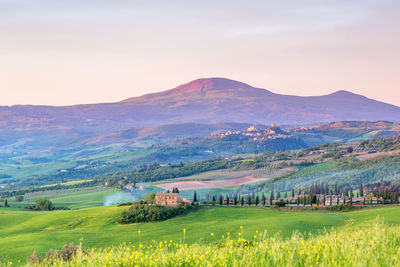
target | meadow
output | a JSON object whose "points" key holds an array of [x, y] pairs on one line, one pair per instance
{"points": [[22, 232], [70, 198], [373, 244]]}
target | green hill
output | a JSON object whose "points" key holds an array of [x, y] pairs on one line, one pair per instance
{"points": [[22, 232]]}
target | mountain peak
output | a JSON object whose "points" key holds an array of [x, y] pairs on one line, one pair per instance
{"points": [[343, 93], [208, 84], [210, 87]]}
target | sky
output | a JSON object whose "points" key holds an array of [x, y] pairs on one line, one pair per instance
{"points": [[64, 52]]}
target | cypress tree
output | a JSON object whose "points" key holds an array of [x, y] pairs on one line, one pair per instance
{"points": [[235, 200], [227, 200], [263, 199], [220, 200], [249, 200], [194, 197], [6, 203], [257, 200], [271, 198], [242, 201], [278, 195], [293, 193], [361, 189]]}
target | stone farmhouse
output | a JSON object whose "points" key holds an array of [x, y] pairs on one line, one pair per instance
{"points": [[170, 199]]}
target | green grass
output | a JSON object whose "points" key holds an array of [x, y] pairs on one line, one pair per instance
{"points": [[372, 244], [22, 232], [70, 198], [67, 183], [322, 167]]}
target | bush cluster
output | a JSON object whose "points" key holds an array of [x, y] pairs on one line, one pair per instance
{"points": [[141, 212], [53, 255]]}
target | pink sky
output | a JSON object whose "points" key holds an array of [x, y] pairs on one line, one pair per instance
{"points": [[86, 51]]}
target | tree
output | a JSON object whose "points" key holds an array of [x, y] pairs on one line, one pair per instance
{"points": [[263, 199], [350, 149], [235, 201], [249, 200], [220, 200], [351, 196], [293, 193], [257, 200], [242, 201], [194, 197], [44, 204], [6, 203], [361, 189], [150, 199], [19, 198], [271, 198], [175, 190], [227, 200]]}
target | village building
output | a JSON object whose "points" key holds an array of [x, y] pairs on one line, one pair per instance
{"points": [[170, 199]]}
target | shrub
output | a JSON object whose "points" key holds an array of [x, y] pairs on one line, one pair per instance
{"points": [[140, 212], [53, 255], [44, 204], [280, 203], [19, 198]]}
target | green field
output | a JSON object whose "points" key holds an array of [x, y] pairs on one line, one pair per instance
{"points": [[71, 198], [22, 232]]}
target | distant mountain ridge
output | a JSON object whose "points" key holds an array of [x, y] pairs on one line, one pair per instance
{"points": [[211, 100]]}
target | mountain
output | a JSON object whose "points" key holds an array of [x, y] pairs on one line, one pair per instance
{"points": [[212, 100]]}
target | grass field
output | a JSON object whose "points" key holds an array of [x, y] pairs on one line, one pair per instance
{"points": [[70, 198], [372, 244], [22, 232]]}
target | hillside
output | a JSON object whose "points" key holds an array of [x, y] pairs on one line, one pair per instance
{"points": [[22, 232], [80, 158]]}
